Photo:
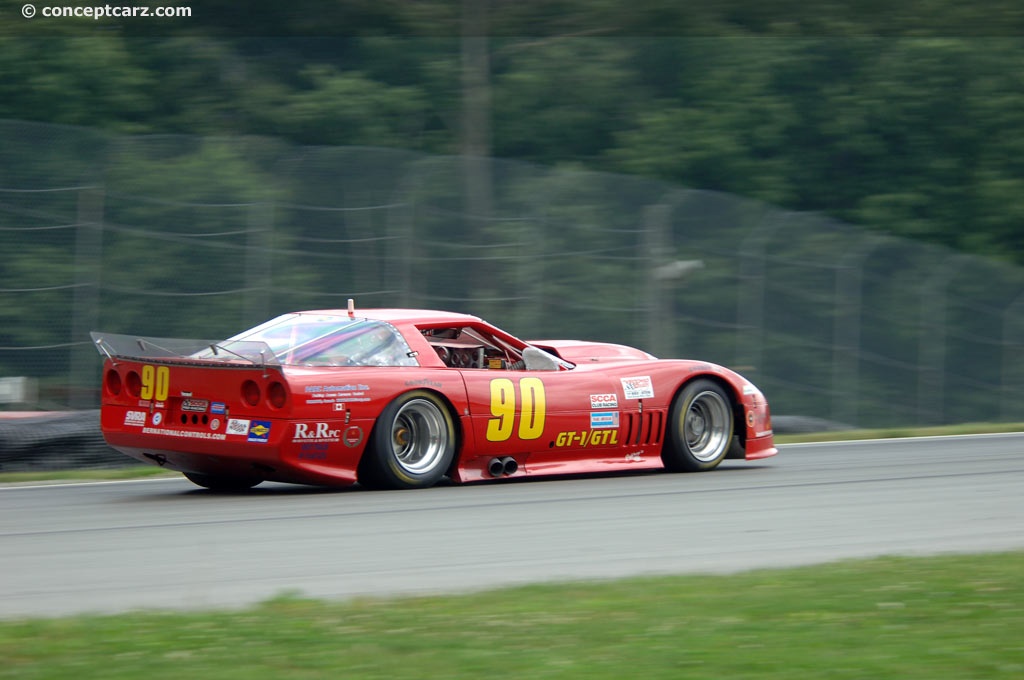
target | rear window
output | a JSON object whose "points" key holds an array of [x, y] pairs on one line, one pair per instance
{"points": [[328, 340]]}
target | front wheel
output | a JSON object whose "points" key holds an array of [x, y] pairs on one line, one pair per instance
{"points": [[412, 445], [699, 429]]}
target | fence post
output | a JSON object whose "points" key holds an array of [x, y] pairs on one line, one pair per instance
{"points": [[1011, 373], [660, 323], [751, 298], [84, 364], [847, 331], [931, 376], [259, 264]]}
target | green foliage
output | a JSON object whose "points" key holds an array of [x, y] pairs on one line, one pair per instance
{"points": [[906, 130], [907, 120]]}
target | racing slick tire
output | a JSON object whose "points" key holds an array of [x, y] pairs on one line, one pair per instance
{"points": [[700, 428], [412, 445], [222, 483]]}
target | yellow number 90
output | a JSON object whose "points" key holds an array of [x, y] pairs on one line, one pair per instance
{"points": [[156, 382], [503, 408]]}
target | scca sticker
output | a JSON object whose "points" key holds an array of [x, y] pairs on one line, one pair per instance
{"points": [[259, 431], [599, 401]]}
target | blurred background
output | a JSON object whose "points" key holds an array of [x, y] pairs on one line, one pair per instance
{"points": [[830, 203]]}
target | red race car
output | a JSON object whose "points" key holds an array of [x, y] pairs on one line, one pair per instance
{"points": [[402, 398]]}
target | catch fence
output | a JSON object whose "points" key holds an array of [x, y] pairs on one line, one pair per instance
{"points": [[175, 236]]}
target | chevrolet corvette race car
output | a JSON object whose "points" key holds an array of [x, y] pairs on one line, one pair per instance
{"points": [[402, 398]]}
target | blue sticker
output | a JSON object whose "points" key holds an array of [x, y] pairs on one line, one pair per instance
{"points": [[218, 407], [259, 431], [604, 419]]}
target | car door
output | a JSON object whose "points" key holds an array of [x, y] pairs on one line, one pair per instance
{"points": [[544, 418]]}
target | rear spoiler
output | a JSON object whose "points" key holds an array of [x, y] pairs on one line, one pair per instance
{"points": [[245, 353]]}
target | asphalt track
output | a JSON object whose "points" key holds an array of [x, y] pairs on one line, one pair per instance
{"points": [[106, 547]]}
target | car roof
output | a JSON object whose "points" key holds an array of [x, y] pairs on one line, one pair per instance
{"points": [[392, 315]]}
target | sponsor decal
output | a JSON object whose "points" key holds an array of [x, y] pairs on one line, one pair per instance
{"points": [[331, 389], [599, 401], [634, 457], [587, 438], [604, 419], [215, 424], [339, 407], [638, 387], [259, 431], [313, 451], [315, 432], [185, 434], [334, 394], [238, 427], [353, 436], [425, 382], [158, 418], [195, 405], [135, 418], [218, 408]]}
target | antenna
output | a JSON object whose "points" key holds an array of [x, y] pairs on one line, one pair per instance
{"points": [[351, 308]]}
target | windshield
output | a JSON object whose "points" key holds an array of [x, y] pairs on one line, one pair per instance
{"points": [[329, 340]]}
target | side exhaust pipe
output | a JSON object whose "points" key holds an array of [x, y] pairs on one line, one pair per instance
{"points": [[502, 467], [511, 466]]}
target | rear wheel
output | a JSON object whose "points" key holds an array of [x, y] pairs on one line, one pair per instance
{"points": [[700, 428], [412, 445], [221, 482]]}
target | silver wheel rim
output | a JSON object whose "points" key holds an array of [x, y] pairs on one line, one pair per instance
{"points": [[706, 426], [419, 436]]}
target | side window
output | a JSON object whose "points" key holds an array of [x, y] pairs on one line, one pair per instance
{"points": [[471, 347], [373, 344]]}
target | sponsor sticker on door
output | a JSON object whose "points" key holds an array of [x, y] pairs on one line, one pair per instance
{"points": [[638, 387], [604, 419]]}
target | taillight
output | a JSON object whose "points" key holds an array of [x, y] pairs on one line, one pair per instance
{"points": [[277, 395], [250, 393], [113, 382], [134, 383]]}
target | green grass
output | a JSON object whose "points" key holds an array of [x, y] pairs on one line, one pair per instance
{"points": [[898, 432], [130, 472], [906, 618]]}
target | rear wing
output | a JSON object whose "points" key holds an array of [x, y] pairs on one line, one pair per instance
{"points": [[246, 353]]}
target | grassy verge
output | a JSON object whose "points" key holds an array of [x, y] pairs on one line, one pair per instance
{"points": [[942, 617], [131, 472], [897, 432]]}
